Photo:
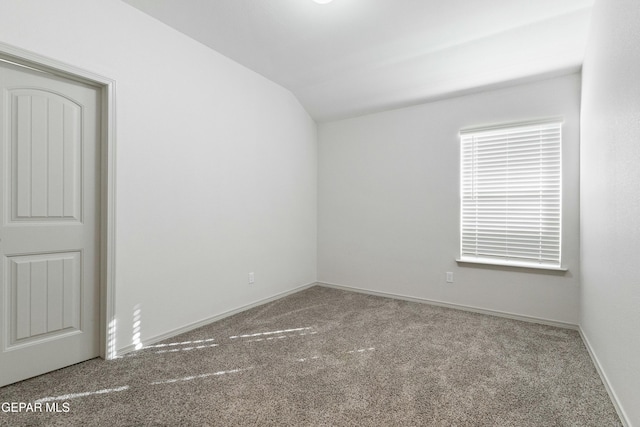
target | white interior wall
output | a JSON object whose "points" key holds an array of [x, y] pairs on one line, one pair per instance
{"points": [[388, 190], [610, 199], [216, 165], [217, 177]]}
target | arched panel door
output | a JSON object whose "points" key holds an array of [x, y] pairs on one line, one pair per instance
{"points": [[49, 222]]}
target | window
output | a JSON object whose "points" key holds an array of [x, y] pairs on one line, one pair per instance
{"points": [[511, 181]]}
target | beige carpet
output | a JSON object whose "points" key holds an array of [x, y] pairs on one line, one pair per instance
{"points": [[329, 357]]}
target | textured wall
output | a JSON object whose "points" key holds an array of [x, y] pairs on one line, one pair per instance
{"points": [[216, 165], [610, 198], [389, 210]]}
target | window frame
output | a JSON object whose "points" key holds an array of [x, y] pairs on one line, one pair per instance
{"points": [[505, 260]]}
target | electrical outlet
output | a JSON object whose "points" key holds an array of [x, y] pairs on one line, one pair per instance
{"points": [[252, 278], [449, 277]]}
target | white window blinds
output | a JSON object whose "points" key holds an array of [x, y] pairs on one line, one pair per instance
{"points": [[511, 195]]}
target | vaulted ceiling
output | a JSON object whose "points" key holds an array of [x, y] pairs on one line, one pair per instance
{"points": [[351, 57]]}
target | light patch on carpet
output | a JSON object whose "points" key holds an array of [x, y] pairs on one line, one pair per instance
{"points": [[282, 331], [362, 350], [304, 359], [84, 394], [267, 339], [173, 344], [201, 376], [175, 350]]}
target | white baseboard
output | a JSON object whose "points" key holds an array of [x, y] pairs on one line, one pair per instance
{"points": [[605, 380], [498, 313], [191, 326]]}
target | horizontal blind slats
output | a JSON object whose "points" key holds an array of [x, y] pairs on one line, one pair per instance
{"points": [[511, 193]]}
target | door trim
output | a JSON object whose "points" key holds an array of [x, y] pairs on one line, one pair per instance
{"points": [[107, 179]]}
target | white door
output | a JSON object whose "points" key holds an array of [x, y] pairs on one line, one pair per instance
{"points": [[49, 222]]}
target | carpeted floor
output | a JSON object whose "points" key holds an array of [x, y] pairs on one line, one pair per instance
{"points": [[334, 358]]}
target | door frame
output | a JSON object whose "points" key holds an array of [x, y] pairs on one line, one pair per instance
{"points": [[107, 149]]}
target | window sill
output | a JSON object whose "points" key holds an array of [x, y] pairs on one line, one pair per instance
{"points": [[504, 263]]}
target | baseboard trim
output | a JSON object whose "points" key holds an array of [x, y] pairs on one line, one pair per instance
{"points": [[530, 319], [191, 326], [605, 380]]}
